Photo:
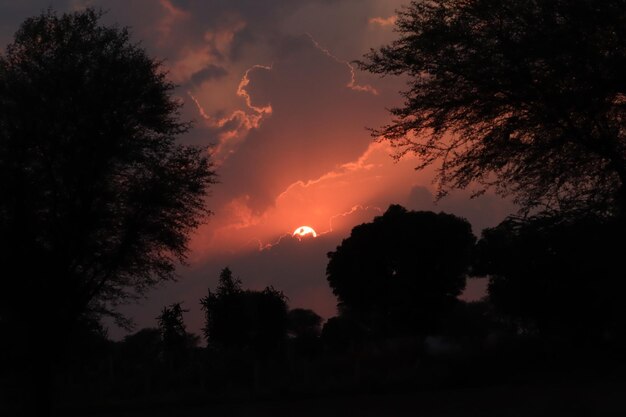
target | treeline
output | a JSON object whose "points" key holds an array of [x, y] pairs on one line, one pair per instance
{"points": [[99, 199], [553, 307]]}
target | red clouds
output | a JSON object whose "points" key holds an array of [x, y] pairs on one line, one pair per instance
{"points": [[274, 97]]}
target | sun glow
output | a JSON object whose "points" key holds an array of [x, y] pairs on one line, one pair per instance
{"points": [[304, 231]]}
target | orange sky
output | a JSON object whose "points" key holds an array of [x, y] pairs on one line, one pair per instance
{"points": [[284, 113]]}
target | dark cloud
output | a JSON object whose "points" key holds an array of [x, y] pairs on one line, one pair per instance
{"points": [[317, 123], [210, 72]]}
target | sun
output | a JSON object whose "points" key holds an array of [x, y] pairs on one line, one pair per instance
{"points": [[304, 231]]}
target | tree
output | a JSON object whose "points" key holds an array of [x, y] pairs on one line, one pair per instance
{"points": [[141, 351], [304, 328], [555, 276], [216, 306], [528, 96], [97, 198], [244, 319], [304, 323], [174, 337], [171, 324], [139, 362], [227, 284], [401, 273], [343, 334]]}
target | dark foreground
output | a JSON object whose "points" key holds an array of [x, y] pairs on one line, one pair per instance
{"points": [[549, 399]]}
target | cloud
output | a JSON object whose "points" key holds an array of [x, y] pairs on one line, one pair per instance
{"points": [[352, 84], [210, 72], [317, 122], [172, 16], [210, 50], [276, 100], [383, 21], [232, 129]]}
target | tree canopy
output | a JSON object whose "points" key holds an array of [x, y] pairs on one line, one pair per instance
{"points": [[244, 319], [402, 272], [303, 323], [175, 339], [97, 197], [555, 276], [528, 96]]}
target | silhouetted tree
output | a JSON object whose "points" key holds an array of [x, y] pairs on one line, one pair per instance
{"points": [[244, 319], [174, 337], [556, 276], [141, 351], [228, 284], [341, 334], [532, 91], [139, 363], [402, 272], [217, 308], [97, 198], [471, 323], [171, 324], [304, 327], [304, 323]]}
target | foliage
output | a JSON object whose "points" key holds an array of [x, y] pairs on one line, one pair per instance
{"points": [[532, 91], [172, 325], [304, 328], [228, 284], [244, 319], [342, 333], [97, 197], [304, 323], [171, 322], [401, 272], [141, 348], [556, 276]]}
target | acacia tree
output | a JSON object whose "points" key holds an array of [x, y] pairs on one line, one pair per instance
{"points": [[528, 96], [97, 198]]}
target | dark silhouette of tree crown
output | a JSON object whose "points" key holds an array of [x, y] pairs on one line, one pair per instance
{"points": [[227, 283], [401, 272], [532, 91], [555, 275], [244, 319], [171, 323], [304, 323], [97, 197]]}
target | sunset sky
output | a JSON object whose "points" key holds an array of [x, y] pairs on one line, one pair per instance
{"points": [[275, 98]]}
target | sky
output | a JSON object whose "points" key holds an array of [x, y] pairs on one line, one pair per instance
{"points": [[278, 103]]}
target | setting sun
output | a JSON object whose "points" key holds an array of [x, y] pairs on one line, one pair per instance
{"points": [[304, 231]]}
